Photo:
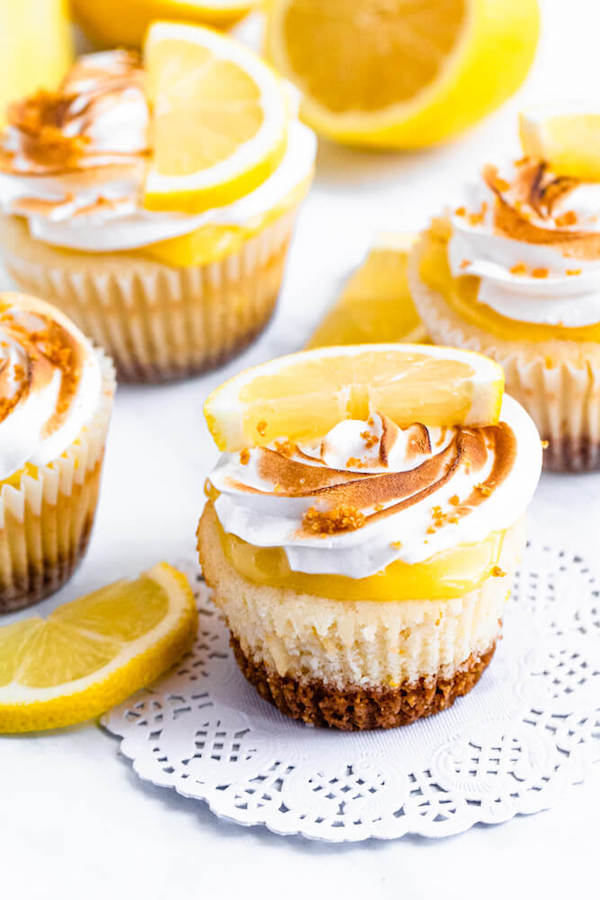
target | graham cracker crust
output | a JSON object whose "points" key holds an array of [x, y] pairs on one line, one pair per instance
{"points": [[39, 583], [358, 709], [568, 455], [139, 373]]}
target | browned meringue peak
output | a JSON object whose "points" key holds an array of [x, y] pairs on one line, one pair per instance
{"points": [[51, 133], [45, 346], [525, 210], [347, 500]]}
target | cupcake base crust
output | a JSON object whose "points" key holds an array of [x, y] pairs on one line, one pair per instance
{"points": [[361, 708], [39, 583]]}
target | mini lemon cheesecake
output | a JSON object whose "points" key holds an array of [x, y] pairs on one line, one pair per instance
{"points": [[363, 571], [153, 198], [56, 394], [514, 272]]}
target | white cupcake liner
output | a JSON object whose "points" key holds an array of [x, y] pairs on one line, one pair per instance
{"points": [[558, 382], [46, 521], [157, 321], [350, 644]]}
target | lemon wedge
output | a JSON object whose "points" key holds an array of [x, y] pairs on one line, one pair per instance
{"points": [[112, 23], [401, 73], [92, 653], [375, 304], [302, 396], [569, 143], [219, 121]]}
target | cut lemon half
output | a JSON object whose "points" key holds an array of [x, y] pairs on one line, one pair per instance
{"points": [[91, 654], [219, 118], [401, 73], [302, 396], [375, 304], [112, 23], [569, 143]]}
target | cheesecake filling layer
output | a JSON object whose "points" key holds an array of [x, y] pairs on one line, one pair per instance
{"points": [[73, 163], [354, 644], [532, 239], [371, 494]]}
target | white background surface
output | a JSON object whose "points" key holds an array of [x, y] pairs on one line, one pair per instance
{"points": [[75, 821]]}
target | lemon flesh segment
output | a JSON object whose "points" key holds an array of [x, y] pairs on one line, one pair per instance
{"points": [[570, 144], [375, 305], [112, 23], [219, 119], [401, 73], [301, 397], [92, 653]]}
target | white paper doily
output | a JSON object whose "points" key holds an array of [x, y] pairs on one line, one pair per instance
{"points": [[525, 734]]}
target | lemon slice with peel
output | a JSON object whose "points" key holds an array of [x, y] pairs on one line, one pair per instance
{"points": [[302, 396], [569, 143], [401, 73], [375, 304], [112, 23], [91, 654], [219, 118]]}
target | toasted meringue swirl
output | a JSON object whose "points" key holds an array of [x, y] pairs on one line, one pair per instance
{"points": [[73, 163], [533, 239], [371, 492], [50, 383]]}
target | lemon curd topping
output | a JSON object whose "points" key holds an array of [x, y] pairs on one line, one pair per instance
{"points": [[461, 294], [445, 575], [211, 243]]}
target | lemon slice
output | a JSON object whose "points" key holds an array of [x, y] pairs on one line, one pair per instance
{"points": [[92, 653], [375, 304], [401, 73], [569, 143], [302, 396], [112, 23], [220, 118]]}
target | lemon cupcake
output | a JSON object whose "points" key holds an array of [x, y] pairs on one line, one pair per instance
{"points": [[153, 200], [363, 573], [514, 272], [56, 395]]}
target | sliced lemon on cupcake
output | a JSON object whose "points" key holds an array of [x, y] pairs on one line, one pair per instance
{"points": [[91, 654], [401, 73], [302, 396], [219, 118], [568, 142], [112, 23], [375, 304]]}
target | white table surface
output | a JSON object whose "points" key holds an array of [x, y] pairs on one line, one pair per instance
{"points": [[75, 820]]}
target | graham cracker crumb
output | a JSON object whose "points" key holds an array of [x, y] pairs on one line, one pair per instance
{"points": [[341, 518]]}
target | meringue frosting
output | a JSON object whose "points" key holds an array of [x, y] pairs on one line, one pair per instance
{"points": [[73, 163], [371, 493], [533, 240], [50, 383]]}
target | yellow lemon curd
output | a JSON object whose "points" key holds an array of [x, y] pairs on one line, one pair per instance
{"points": [[451, 573], [211, 243], [461, 294], [15, 478]]}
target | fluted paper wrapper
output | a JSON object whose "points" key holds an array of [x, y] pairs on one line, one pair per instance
{"points": [[45, 522], [157, 321], [556, 382]]}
